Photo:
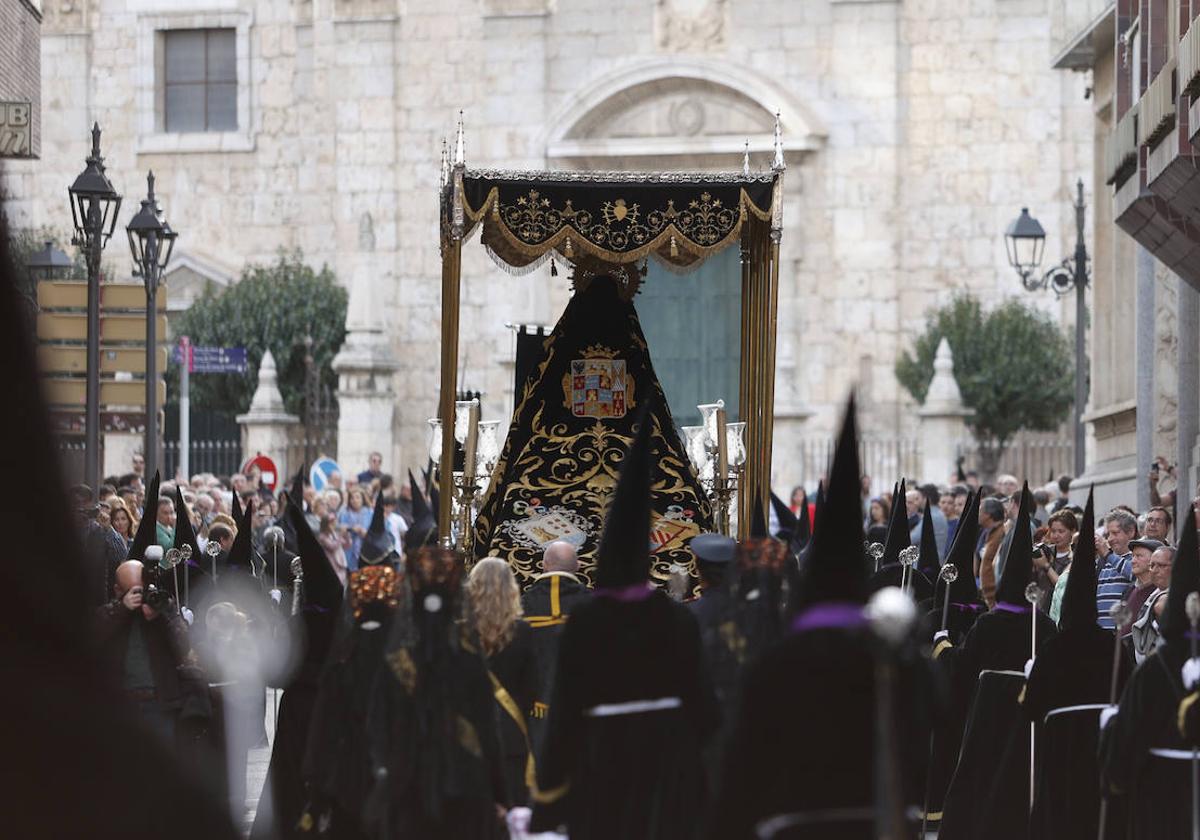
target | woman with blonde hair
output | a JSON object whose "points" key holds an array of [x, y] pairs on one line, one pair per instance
{"points": [[121, 520], [506, 643]]}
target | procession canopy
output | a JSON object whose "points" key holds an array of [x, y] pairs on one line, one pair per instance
{"points": [[569, 435], [614, 217]]}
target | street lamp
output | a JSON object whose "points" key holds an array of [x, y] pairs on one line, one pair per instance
{"points": [[46, 264], [94, 209], [151, 241], [1025, 240]]}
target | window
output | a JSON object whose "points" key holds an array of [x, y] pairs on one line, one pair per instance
{"points": [[200, 80]]}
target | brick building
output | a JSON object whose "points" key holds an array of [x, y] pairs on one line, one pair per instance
{"points": [[20, 79]]}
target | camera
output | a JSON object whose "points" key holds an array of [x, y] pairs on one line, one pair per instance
{"points": [[155, 598], [1044, 549], [1154, 467]]}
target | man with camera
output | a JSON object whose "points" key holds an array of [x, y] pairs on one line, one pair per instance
{"points": [[144, 643]]}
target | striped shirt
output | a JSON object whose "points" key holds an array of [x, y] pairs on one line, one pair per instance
{"points": [[1112, 582]]}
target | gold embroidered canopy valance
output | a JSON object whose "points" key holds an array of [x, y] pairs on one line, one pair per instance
{"points": [[614, 217], [618, 219]]}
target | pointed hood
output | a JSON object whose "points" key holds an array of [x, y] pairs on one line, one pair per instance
{"points": [[897, 535], [423, 530], [1079, 597], [786, 519], [623, 556], [818, 504], [803, 527], [236, 507], [1018, 565], [928, 560], [185, 534], [296, 491], [321, 588], [962, 555], [377, 544], [239, 552], [1185, 578], [758, 521], [145, 531], [835, 569]]}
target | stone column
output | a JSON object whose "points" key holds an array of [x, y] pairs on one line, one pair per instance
{"points": [[364, 367], [1187, 322], [942, 419], [266, 427], [1144, 336]]}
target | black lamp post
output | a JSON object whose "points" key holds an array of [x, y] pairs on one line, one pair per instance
{"points": [[1026, 240], [46, 264], [151, 241], [94, 209]]}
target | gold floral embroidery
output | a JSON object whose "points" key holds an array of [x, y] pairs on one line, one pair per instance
{"points": [[402, 665]]}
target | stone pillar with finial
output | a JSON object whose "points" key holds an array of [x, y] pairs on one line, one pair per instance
{"points": [[266, 427], [942, 419]]}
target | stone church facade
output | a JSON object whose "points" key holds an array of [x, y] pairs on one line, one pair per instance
{"points": [[913, 130]]}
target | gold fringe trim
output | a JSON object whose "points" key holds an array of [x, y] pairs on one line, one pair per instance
{"points": [[941, 647], [1181, 719]]}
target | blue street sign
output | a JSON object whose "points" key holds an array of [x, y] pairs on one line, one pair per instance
{"points": [[323, 469], [214, 359]]}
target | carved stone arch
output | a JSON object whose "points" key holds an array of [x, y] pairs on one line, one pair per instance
{"points": [[691, 112], [188, 275]]}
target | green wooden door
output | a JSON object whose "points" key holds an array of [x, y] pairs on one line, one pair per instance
{"points": [[692, 325]]}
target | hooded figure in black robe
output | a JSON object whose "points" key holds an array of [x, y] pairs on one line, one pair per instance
{"points": [[789, 530], [79, 760], [896, 550], [988, 796], [307, 637], [631, 708], [337, 761], [423, 530], [191, 574], [1068, 686], [1143, 754], [802, 758], [435, 763], [965, 606]]}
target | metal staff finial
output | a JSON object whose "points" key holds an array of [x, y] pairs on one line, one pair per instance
{"points": [[778, 163], [460, 143], [444, 172], [746, 160], [948, 573]]}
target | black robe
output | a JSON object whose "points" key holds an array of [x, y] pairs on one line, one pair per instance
{"points": [[1158, 789], [804, 742], [337, 760], [628, 775], [948, 727], [284, 796], [1072, 669], [546, 604], [988, 795], [515, 668]]}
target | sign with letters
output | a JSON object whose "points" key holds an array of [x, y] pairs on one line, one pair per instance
{"points": [[16, 129]]}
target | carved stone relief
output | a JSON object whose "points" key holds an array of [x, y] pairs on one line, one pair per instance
{"points": [[690, 25]]}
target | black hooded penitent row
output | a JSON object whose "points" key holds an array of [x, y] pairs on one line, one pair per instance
{"points": [[1079, 596], [377, 544], [623, 555], [962, 554], [185, 534], [146, 533], [1018, 566], [835, 569], [928, 560], [424, 530], [898, 537]]}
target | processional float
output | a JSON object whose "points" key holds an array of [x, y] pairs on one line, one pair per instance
{"points": [[605, 226]]}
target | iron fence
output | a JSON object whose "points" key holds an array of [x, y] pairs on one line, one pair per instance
{"points": [[878, 457], [219, 457]]}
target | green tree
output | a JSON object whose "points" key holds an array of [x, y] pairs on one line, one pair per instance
{"points": [[272, 307], [1013, 366]]}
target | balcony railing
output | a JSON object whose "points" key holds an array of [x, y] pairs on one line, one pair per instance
{"points": [[1189, 61], [1158, 105], [1122, 148]]}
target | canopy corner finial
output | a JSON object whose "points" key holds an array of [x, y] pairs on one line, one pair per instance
{"points": [[444, 172], [460, 150], [778, 163], [746, 160]]}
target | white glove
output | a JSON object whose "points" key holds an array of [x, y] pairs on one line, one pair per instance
{"points": [[187, 614], [1028, 668], [1107, 714], [1190, 673], [518, 821], [941, 635], [276, 595]]}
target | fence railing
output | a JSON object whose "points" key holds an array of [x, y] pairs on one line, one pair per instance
{"points": [[1033, 457], [219, 457], [878, 457]]}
